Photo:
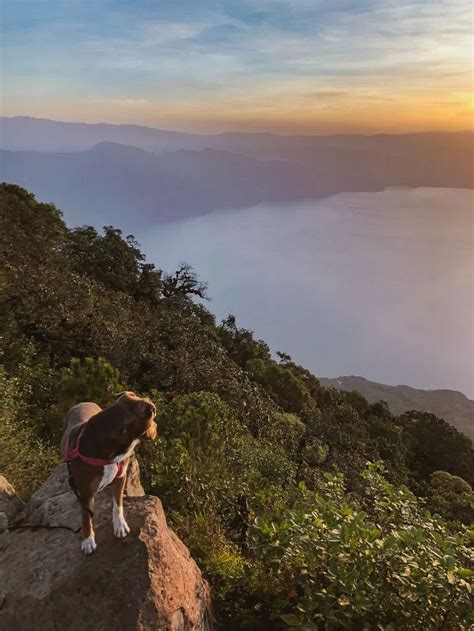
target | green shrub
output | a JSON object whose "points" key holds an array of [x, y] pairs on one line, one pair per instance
{"points": [[332, 565], [25, 460], [87, 380], [451, 497]]}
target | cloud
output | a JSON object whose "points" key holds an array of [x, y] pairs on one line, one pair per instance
{"points": [[130, 102], [330, 95], [199, 52]]}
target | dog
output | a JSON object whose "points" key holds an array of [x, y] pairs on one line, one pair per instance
{"points": [[97, 445]]}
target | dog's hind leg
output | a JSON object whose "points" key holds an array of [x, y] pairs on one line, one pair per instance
{"points": [[121, 528]]}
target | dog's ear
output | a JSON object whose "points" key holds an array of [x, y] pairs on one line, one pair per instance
{"points": [[128, 393]]}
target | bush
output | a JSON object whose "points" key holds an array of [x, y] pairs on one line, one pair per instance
{"points": [[25, 460], [331, 565], [87, 380], [451, 497]]}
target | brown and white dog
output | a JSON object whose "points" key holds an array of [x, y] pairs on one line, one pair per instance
{"points": [[97, 445]]}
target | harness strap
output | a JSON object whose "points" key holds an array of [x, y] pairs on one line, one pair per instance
{"points": [[73, 454]]}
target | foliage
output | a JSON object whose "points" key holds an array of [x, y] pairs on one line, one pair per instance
{"points": [[25, 460], [184, 282], [434, 445], [391, 567], [86, 380], [451, 496]]}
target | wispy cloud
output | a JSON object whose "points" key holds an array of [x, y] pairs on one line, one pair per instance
{"points": [[189, 54]]}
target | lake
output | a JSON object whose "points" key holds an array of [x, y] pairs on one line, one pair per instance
{"points": [[374, 284]]}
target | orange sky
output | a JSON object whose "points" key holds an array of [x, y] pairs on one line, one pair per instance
{"points": [[290, 67]]}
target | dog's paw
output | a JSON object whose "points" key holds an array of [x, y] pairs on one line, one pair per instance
{"points": [[121, 528], [88, 545]]}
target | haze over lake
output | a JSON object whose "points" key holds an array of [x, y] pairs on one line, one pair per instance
{"points": [[374, 284]]}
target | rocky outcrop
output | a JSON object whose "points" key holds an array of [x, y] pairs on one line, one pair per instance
{"points": [[147, 581]]}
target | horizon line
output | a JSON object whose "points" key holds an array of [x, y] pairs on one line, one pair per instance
{"points": [[238, 133]]}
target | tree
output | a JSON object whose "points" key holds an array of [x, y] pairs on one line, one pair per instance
{"points": [[184, 282], [111, 259], [434, 445], [451, 497], [87, 380]]}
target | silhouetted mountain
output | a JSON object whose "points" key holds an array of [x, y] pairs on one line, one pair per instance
{"points": [[113, 182], [434, 148], [453, 406], [23, 133], [210, 172]]}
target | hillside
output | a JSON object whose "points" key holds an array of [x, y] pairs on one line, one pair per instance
{"points": [[453, 406], [117, 183], [161, 175], [24, 133], [304, 506]]}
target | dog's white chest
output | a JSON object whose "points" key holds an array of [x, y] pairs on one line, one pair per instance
{"points": [[128, 453], [110, 471]]}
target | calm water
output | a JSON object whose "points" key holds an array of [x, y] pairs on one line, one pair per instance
{"points": [[374, 284]]}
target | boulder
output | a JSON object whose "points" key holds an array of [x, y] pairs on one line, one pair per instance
{"points": [[147, 581], [134, 486], [53, 504], [10, 504]]}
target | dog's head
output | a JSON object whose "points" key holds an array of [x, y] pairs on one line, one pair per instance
{"points": [[139, 413]]}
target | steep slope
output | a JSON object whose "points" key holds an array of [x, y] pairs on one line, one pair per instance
{"points": [[453, 406]]}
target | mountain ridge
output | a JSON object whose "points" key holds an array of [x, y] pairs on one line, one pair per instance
{"points": [[27, 133], [452, 405], [134, 186], [142, 183], [225, 133]]}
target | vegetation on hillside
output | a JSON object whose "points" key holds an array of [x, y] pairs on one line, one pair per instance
{"points": [[263, 472], [451, 405]]}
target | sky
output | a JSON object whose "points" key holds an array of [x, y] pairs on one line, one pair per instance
{"points": [[288, 66]]}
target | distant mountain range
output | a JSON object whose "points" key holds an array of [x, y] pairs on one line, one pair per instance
{"points": [[128, 174], [113, 183], [453, 406]]}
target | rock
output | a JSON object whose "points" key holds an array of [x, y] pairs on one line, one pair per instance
{"points": [[3, 522], [134, 487], [10, 504], [147, 581], [54, 504]]}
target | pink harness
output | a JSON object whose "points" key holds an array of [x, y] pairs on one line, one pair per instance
{"points": [[74, 453]]}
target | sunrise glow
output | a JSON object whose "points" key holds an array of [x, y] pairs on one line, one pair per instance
{"points": [[289, 67]]}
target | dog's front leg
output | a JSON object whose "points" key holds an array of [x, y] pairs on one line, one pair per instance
{"points": [[121, 528], [88, 544]]}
